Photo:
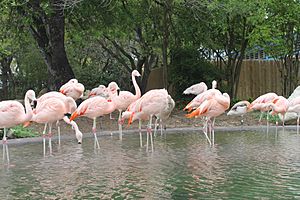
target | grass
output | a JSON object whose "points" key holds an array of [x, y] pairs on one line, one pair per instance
{"points": [[21, 132], [272, 118]]}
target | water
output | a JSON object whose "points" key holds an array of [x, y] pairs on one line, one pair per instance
{"points": [[242, 165]]}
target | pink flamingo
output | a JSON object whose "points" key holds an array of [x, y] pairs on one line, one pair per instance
{"points": [[62, 97], [196, 89], [294, 106], [240, 109], [151, 103], [212, 108], [279, 105], [125, 98], [51, 110], [259, 104], [72, 89], [12, 113], [99, 91], [200, 98], [93, 108]]}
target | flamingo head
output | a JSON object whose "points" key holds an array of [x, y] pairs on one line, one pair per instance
{"points": [[79, 136], [136, 73]]}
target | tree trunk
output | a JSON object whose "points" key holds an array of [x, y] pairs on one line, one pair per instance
{"points": [[49, 33], [5, 76]]}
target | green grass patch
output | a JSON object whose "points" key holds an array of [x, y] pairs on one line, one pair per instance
{"points": [[21, 132], [272, 118]]}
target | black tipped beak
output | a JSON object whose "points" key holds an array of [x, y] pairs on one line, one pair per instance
{"points": [[34, 103], [68, 114], [118, 91], [79, 142]]}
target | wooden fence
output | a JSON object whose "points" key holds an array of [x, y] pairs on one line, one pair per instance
{"points": [[257, 77]]}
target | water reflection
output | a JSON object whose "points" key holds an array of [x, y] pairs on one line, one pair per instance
{"points": [[241, 165]]}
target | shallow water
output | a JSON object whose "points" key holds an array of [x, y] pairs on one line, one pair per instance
{"points": [[241, 165]]}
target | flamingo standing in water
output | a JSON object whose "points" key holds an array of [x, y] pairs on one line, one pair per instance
{"points": [[294, 106], [196, 102], [93, 108], [12, 113], [73, 107], [240, 109], [51, 110], [212, 108], [151, 103], [125, 98], [196, 89], [73, 89]]}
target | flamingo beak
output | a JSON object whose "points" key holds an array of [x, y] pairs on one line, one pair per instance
{"points": [[130, 119], [74, 116]]}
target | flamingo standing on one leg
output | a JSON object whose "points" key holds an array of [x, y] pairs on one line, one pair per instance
{"points": [[125, 98], [12, 113], [240, 109], [294, 106], [93, 108], [49, 111], [196, 89], [212, 108]]}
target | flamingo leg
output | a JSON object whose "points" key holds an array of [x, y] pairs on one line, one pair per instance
{"points": [[95, 134], [58, 132], [206, 129], [120, 124], [298, 124], [50, 137], [213, 131], [110, 116], [5, 146], [44, 139], [260, 117], [267, 121], [150, 132], [161, 127], [283, 125], [140, 132], [155, 126]]}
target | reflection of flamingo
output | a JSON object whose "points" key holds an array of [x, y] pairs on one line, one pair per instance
{"points": [[196, 102], [72, 89], [12, 113], [240, 109], [125, 98], [196, 89], [294, 106], [93, 108], [49, 111], [212, 108]]}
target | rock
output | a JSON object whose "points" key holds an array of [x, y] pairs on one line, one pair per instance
{"points": [[289, 116]]}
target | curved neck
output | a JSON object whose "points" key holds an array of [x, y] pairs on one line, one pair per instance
{"points": [[28, 109], [136, 87]]}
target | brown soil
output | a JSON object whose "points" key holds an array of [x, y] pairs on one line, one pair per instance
{"points": [[177, 119]]}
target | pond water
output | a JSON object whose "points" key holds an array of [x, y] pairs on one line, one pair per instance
{"points": [[241, 165]]}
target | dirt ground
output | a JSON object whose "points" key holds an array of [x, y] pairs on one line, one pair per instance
{"points": [[177, 119]]}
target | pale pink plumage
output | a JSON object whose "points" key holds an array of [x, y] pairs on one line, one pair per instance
{"points": [[72, 89], [196, 89]]}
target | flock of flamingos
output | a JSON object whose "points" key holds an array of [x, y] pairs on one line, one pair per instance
{"points": [[54, 106]]}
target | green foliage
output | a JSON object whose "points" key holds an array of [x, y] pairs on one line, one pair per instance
{"points": [[272, 118], [20, 132], [188, 68]]}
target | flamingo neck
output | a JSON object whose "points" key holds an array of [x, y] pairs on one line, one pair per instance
{"points": [[136, 87], [28, 109]]}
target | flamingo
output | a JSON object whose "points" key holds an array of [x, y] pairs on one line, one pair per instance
{"points": [[212, 108], [51, 110], [294, 106], [54, 94], [73, 89], [200, 98], [99, 91], [240, 109], [125, 98], [93, 108], [12, 113], [164, 114], [150, 104], [279, 105], [196, 89], [259, 102]]}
